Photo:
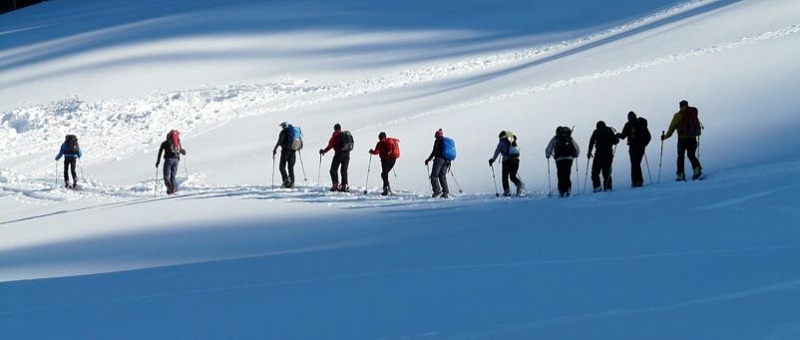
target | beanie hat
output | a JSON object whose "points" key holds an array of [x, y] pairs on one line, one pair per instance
{"points": [[283, 125], [382, 135], [337, 127], [502, 134], [601, 124], [684, 103], [631, 115], [439, 133]]}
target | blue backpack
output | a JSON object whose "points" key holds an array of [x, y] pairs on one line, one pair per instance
{"points": [[294, 138], [448, 148]]}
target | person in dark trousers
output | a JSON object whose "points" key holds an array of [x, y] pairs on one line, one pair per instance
{"points": [[688, 125], [71, 152], [638, 136], [171, 160], [507, 147], [384, 149], [603, 140], [341, 160], [440, 168], [564, 150], [288, 156]]}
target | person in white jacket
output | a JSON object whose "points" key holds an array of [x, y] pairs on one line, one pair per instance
{"points": [[564, 149]]}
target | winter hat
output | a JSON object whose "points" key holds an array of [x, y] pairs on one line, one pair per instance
{"points": [[337, 127], [382, 135], [283, 125], [439, 133], [502, 134], [684, 103], [631, 115], [601, 124]]}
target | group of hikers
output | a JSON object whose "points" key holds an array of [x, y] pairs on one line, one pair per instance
{"points": [[562, 148]]}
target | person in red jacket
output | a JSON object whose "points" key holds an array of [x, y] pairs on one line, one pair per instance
{"points": [[341, 159], [385, 150]]}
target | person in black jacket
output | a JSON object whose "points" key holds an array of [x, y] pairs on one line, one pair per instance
{"points": [[638, 136], [440, 167], [288, 156], [604, 140], [171, 160]]}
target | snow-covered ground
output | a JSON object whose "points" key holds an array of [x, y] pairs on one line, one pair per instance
{"points": [[232, 257]]}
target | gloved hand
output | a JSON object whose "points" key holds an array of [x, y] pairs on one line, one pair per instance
{"points": [[370, 151], [663, 137], [56, 158], [427, 161], [491, 161], [321, 151], [274, 151], [156, 164], [589, 155]]}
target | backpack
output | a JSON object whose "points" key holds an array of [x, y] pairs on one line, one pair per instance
{"points": [[174, 142], [394, 147], [642, 131], [690, 123], [294, 137], [345, 141], [512, 147], [564, 146], [72, 145], [448, 148]]}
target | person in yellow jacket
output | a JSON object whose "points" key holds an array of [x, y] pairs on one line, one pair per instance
{"points": [[688, 125]]}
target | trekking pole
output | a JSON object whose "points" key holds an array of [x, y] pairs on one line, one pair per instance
{"points": [[80, 166], [661, 157], [698, 146], [186, 167], [648, 167], [455, 180], [319, 171], [428, 175], [549, 179], [56, 163], [496, 192], [305, 178], [272, 182], [155, 183], [577, 174], [369, 168], [586, 176]]}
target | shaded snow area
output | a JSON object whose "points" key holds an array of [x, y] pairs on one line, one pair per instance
{"points": [[233, 256]]}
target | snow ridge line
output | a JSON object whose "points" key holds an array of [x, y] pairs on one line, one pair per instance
{"points": [[194, 110], [697, 52]]}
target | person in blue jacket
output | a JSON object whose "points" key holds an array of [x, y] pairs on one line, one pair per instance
{"points": [[71, 152]]}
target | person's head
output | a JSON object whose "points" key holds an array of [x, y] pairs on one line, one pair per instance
{"points": [[337, 127], [683, 104], [601, 124], [439, 133], [631, 116], [502, 135], [382, 135], [283, 125]]}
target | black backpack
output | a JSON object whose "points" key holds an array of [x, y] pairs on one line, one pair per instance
{"points": [[72, 145], [564, 146], [642, 132], [345, 141]]}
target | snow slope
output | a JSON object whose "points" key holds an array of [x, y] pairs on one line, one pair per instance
{"points": [[233, 257]]}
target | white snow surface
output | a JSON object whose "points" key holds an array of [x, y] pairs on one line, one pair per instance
{"points": [[231, 256]]}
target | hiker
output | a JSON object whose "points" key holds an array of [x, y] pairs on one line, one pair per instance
{"points": [[342, 143], [604, 140], [564, 150], [286, 140], [389, 150], [71, 152], [172, 150], [507, 147], [638, 136], [688, 125], [441, 165]]}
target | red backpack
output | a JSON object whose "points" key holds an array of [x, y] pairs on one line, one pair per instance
{"points": [[393, 145], [690, 123], [175, 142]]}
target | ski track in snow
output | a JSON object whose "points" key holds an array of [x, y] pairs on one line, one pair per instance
{"points": [[201, 110]]}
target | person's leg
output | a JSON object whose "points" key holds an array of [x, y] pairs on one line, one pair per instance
{"points": [[345, 165], [166, 173], [438, 163], [334, 171], [691, 153], [282, 167], [637, 178], [72, 164], [443, 178], [173, 173], [513, 169], [681, 156], [290, 161], [564, 176], [505, 173], [596, 167], [606, 170], [66, 172]]}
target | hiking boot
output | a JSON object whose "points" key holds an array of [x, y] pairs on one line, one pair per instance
{"points": [[506, 193], [344, 187], [697, 174], [66, 185], [436, 194], [445, 195], [335, 186], [681, 177], [521, 189], [598, 189], [636, 185]]}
